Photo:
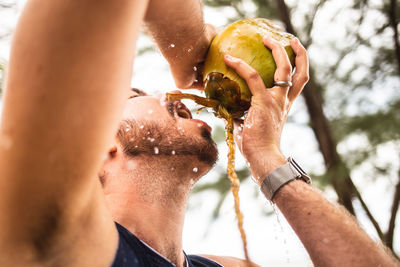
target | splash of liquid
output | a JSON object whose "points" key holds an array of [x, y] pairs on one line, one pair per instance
{"points": [[235, 183]]}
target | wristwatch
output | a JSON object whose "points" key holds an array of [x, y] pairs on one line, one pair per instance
{"points": [[281, 176]]}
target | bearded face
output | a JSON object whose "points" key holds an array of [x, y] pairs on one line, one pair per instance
{"points": [[154, 126]]}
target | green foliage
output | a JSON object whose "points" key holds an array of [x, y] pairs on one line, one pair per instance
{"points": [[379, 127]]}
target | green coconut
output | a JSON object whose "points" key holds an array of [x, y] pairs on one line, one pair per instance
{"points": [[242, 39], [226, 92]]}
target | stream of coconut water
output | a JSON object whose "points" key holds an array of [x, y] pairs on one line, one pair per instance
{"points": [[235, 183]]}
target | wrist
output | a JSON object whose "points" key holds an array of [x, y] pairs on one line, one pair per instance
{"points": [[282, 176], [260, 167]]}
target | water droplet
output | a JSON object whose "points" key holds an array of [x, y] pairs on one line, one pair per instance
{"points": [[173, 152], [190, 49], [136, 146], [195, 68], [127, 129], [179, 128], [248, 164], [195, 80], [156, 150], [199, 125], [131, 139], [150, 111], [195, 169], [141, 126], [171, 46], [130, 165], [172, 168]]}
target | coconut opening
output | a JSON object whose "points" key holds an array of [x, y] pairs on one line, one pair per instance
{"points": [[223, 95]]}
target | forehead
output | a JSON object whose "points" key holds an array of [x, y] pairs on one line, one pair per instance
{"points": [[141, 105]]}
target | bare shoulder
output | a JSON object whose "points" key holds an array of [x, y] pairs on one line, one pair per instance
{"points": [[229, 261]]}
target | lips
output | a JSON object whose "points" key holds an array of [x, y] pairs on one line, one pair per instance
{"points": [[201, 123]]}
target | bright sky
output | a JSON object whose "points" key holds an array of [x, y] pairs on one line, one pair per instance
{"points": [[271, 240]]}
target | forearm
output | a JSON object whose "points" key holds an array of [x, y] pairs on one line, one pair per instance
{"points": [[68, 78], [178, 29], [331, 236]]}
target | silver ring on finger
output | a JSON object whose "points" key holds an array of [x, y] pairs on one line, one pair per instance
{"points": [[283, 83]]}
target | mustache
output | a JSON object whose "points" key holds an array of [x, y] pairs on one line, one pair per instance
{"points": [[171, 108]]}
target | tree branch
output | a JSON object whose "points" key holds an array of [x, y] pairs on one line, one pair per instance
{"points": [[238, 10], [393, 23], [310, 23], [395, 207], [368, 212]]}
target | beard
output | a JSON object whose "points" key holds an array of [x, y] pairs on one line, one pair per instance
{"points": [[142, 137]]}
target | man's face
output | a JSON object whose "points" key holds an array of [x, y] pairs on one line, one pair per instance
{"points": [[154, 126]]}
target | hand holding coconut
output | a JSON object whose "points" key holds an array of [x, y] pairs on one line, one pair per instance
{"points": [[258, 136]]}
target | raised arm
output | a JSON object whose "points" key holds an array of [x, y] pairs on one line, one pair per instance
{"points": [[331, 236], [69, 73], [183, 38]]}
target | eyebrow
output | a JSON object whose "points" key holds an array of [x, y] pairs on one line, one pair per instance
{"points": [[138, 91]]}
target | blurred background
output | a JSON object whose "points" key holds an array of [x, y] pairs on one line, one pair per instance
{"points": [[344, 129]]}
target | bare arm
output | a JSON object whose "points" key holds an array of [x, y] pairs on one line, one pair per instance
{"points": [[330, 235], [68, 78], [69, 73], [183, 38]]}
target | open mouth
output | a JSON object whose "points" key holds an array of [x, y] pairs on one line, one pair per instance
{"points": [[181, 111], [178, 110]]}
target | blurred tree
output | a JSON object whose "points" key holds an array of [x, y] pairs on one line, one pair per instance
{"points": [[370, 46]]}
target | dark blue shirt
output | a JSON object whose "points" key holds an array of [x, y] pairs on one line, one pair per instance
{"points": [[134, 253]]}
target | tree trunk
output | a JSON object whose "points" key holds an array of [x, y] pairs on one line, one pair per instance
{"points": [[392, 222]]}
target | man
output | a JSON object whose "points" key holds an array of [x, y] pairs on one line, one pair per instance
{"points": [[65, 92]]}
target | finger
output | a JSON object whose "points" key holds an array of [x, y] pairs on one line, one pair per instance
{"points": [[250, 75], [301, 75], [237, 131], [283, 67]]}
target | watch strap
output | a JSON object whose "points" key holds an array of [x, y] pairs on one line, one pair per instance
{"points": [[281, 176]]}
